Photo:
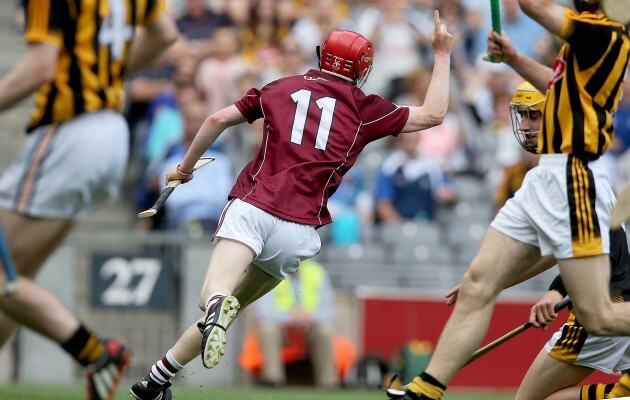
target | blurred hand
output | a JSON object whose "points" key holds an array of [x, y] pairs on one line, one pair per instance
{"points": [[542, 313], [441, 40], [174, 175], [451, 296], [500, 47]]}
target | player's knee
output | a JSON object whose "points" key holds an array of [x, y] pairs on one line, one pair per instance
{"points": [[476, 287]]}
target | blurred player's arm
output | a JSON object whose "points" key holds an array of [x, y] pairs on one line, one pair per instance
{"points": [[151, 41], [210, 130], [36, 68], [501, 48], [435, 105], [547, 13]]}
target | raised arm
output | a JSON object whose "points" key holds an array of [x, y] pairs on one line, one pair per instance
{"points": [[545, 12], [210, 130], [500, 47], [151, 41], [435, 105]]}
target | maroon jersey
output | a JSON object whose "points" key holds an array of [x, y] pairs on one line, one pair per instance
{"points": [[315, 126]]}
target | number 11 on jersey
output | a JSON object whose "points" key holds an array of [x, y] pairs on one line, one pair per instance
{"points": [[327, 104]]}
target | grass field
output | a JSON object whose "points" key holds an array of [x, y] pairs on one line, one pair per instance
{"points": [[26, 392]]}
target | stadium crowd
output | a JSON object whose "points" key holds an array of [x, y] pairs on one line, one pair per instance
{"points": [[227, 47]]}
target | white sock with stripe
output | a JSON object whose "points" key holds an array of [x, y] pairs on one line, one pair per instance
{"points": [[165, 369]]}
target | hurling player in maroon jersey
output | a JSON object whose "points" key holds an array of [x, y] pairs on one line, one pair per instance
{"points": [[315, 126]]}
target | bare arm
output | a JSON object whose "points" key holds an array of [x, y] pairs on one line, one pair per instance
{"points": [[210, 130], [501, 48], [545, 12], [435, 105], [35, 69], [150, 43]]}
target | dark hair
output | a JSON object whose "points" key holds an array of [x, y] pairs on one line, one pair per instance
{"points": [[586, 5]]}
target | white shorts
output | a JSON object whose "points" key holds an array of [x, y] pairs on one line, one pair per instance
{"points": [[563, 208], [66, 170], [573, 345], [279, 245]]}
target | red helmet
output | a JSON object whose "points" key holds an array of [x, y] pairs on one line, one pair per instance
{"points": [[348, 55]]}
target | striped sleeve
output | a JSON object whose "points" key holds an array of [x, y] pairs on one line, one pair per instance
{"points": [[154, 10], [45, 20]]}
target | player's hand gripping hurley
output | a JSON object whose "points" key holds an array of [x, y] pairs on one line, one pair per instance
{"points": [[169, 189], [492, 345]]}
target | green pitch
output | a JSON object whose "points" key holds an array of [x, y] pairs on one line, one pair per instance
{"points": [[37, 392]]}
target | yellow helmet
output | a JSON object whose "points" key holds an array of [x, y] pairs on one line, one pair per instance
{"points": [[526, 99]]}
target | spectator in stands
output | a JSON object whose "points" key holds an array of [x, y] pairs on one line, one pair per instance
{"points": [[198, 24], [322, 17], [445, 144], [267, 26], [301, 305], [351, 207], [196, 209], [396, 37], [409, 185], [292, 61], [217, 75]]}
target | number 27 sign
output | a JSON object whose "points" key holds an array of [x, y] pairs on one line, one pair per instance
{"points": [[132, 281]]}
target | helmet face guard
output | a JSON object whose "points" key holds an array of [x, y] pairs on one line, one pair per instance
{"points": [[528, 139], [347, 55], [528, 103]]}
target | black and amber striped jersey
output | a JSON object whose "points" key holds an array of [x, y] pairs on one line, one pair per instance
{"points": [[94, 38], [584, 89]]}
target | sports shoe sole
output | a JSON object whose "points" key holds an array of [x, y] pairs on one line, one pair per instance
{"points": [[166, 395], [214, 346]]}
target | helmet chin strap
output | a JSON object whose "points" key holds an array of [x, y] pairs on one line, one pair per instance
{"points": [[318, 52]]}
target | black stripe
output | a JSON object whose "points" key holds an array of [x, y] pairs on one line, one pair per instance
{"points": [[608, 388], [577, 114], [75, 76], [614, 93], [110, 77], [571, 194], [557, 130], [602, 132], [134, 11], [592, 392], [596, 82], [543, 129], [48, 108], [134, 23], [582, 335], [592, 195], [149, 7], [95, 48]]}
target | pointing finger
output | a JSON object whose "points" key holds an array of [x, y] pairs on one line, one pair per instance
{"points": [[436, 19]]}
